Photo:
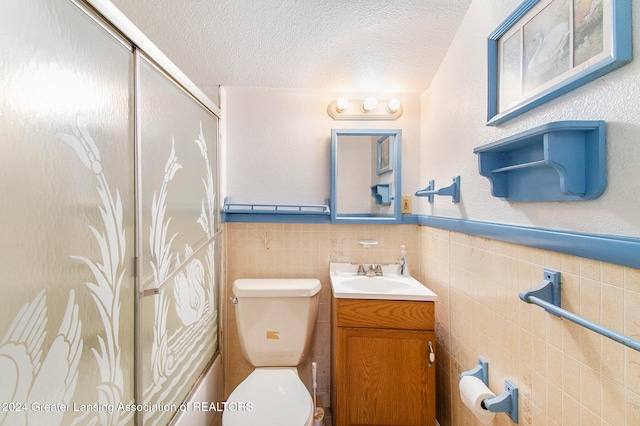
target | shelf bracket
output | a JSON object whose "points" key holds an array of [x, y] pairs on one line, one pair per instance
{"points": [[452, 191]]}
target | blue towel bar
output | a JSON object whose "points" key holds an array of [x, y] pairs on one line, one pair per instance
{"points": [[547, 296]]}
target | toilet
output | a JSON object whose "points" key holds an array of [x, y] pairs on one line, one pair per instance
{"points": [[275, 319]]}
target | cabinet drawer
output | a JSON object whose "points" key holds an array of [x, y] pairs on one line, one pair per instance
{"points": [[396, 314]]}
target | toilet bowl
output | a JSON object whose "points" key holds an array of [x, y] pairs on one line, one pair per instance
{"points": [[270, 396], [275, 319]]}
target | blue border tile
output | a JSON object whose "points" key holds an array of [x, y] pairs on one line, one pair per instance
{"points": [[606, 248]]}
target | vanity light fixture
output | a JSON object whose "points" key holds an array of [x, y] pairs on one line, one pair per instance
{"points": [[342, 104], [369, 104], [365, 109], [393, 105]]}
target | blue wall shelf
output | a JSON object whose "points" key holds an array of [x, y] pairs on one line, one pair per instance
{"points": [[278, 213], [560, 161]]}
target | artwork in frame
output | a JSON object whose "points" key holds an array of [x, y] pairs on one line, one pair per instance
{"points": [[384, 163], [546, 48]]}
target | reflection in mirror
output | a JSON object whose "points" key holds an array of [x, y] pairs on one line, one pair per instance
{"points": [[365, 175]]}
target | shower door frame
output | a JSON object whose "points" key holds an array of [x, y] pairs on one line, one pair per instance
{"points": [[109, 15]]}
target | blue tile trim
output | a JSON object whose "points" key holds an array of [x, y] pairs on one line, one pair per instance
{"points": [[606, 248]]}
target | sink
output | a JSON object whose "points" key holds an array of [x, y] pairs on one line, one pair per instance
{"points": [[391, 286], [374, 284]]}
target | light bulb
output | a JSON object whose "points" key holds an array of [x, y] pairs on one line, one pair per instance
{"points": [[394, 105], [342, 104], [369, 103]]}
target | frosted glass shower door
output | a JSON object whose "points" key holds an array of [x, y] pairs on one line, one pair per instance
{"points": [[179, 234], [66, 218]]}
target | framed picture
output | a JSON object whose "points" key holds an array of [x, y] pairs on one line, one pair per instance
{"points": [[546, 48], [385, 162]]}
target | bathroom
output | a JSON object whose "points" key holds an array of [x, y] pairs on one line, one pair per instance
{"points": [[476, 255]]}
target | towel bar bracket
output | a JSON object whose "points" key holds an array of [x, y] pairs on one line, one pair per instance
{"points": [[548, 290], [452, 190], [429, 191]]}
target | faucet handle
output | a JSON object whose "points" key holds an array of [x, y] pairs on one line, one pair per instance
{"points": [[378, 270], [361, 270]]}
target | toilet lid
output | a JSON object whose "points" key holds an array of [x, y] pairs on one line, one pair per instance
{"points": [[269, 396]]}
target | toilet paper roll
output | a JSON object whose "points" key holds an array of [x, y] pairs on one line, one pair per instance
{"points": [[472, 392]]}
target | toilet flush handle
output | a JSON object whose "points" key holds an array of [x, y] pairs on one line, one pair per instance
{"points": [[234, 300]]}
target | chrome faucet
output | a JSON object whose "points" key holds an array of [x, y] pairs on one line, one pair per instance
{"points": [[374, 271], [371, 272]]}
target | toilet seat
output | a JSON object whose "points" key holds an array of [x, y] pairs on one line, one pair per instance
{"points": [[269, 396]]}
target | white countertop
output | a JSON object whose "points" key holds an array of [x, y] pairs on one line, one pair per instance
{"points": [[345, 284]]}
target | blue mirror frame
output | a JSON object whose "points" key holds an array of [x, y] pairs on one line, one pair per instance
{"points": [[395, 136]]}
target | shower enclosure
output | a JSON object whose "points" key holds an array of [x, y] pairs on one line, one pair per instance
{"points": [[110, 235]]}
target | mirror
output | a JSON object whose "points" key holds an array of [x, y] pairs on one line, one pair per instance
{"points": [[365, 175]]}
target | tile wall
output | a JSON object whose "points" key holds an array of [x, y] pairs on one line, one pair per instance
{"points": [[566, 375], [303, 251]]}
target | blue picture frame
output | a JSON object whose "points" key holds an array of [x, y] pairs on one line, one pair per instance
{"points": [[522, 69], [384, 155]]}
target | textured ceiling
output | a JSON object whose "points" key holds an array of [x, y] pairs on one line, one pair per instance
{"points": [[386, 45]]}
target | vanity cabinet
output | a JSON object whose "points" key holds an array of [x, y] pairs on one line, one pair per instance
{"points": [[381, 374]]}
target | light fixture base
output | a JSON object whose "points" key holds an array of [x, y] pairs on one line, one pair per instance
{"points": [[354, 111]]}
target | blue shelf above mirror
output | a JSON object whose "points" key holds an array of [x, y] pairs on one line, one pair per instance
{"points": [[559, 161]]}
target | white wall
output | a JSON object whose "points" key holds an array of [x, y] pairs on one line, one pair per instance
{"points": [[278, 143], [453, 123]]}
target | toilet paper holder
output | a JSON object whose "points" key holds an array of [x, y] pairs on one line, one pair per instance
{"points": [[506, 402], [480, 371]]}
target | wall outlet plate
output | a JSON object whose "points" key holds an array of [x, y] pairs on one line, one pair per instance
{"points": [[406, 204]]}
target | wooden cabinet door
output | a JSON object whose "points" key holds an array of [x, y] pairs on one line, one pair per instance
{"points": [[384, 377]]}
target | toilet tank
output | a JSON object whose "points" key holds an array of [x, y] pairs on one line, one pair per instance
{"points": [[275, 319]]}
